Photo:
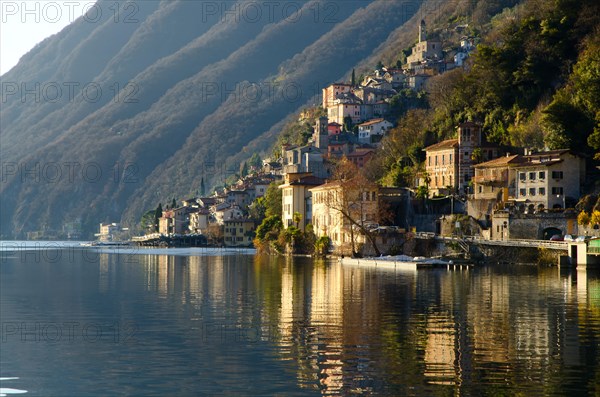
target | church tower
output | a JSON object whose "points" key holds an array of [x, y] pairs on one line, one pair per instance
{"points": [[321, 134], [422, 32]]}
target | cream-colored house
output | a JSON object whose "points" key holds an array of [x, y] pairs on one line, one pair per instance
{"points": [[549, 179], [495, 179], [297, 198], [331, 200], [199, 221]]}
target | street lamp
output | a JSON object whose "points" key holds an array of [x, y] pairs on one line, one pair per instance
{"points": [[563, 199]]}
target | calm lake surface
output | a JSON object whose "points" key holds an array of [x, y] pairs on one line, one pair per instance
{"points": [[82, 322]]}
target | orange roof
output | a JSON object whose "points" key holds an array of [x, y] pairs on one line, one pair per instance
{"points": [[447, 144], [374, 121], [500, 161]]}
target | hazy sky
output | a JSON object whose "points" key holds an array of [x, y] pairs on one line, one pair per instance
{"points": [[24, 23]]}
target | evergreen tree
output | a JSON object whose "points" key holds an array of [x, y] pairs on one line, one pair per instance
{"points": [[202, 187], [255, 161], [157, 214], [353, 78]]}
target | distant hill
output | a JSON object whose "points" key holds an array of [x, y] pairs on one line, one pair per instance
{"points": [[107, 118]]}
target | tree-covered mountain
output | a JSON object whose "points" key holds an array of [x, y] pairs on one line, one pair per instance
{"points": [[117, 113]]}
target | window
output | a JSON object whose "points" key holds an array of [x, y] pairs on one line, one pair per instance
{"points": [[532, 176], [557, 190], [522, 176], [532, 191], [522, 192], [466, 155], [436, 159], [480, 189], [450, 157], [542, 175], [542, 191], [557, 175]]}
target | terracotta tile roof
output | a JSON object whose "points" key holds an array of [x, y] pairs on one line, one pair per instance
{"points": [[500, 161], [370, 122], [447, 144]]}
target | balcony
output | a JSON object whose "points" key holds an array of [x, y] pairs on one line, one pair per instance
{"points": [[489, 179]]}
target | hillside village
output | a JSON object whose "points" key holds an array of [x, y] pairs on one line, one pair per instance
{"points": [[466, 186]]}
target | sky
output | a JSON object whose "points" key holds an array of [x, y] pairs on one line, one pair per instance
{"points": [[24, 23]]}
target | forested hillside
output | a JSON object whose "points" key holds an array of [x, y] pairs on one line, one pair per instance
{"points": [[181, 94], [534, 82]]}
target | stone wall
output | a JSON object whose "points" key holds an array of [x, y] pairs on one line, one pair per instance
{"points": [[507, 225]]}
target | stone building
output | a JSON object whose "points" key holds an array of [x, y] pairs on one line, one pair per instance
{"points": [[449, 164]]}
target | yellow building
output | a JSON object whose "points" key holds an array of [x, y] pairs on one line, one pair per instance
{"points": [[297, 198], [238, 232]]}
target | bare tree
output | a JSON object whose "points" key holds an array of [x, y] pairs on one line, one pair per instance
{"points": [[355, 199]]}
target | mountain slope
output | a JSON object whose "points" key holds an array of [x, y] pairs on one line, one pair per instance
{"points": [[187, 92]]}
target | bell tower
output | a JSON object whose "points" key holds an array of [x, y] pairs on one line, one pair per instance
{"points": [[422, 31], [321, 135]]}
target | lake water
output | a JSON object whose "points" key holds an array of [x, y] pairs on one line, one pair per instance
{"points": [[82, 322]]}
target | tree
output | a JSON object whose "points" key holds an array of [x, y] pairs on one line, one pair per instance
{"points": [[147, 222], [348, 124], [244, 171], [477, 155], [583, 218], [272, 200], [257, 209], [297, 217], [354, 198], [157, 215], [269, 228], [353, 78], [255, 162], [322, 246], [267, 233], [595, 219], [202, 187]]}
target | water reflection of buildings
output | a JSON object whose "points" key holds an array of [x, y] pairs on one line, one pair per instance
{"points": [[347, 329], [490, 327]]}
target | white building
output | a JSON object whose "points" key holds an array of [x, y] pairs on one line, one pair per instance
{"points": [[373, 127]]}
